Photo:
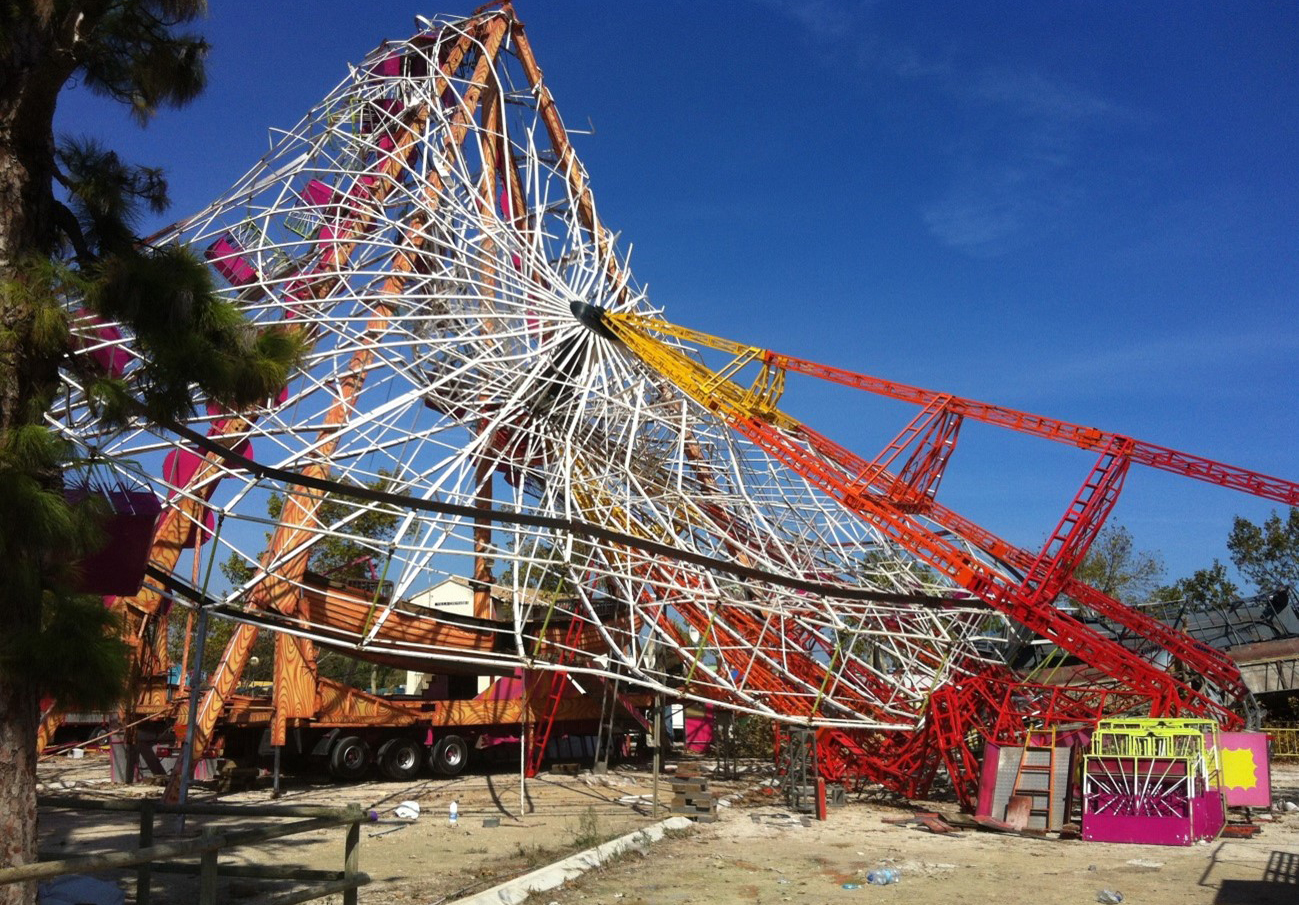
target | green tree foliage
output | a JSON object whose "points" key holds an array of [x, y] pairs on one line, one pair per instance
{"points": [[1267, 555], [335, 556], [68, 214], [544, 566], [1207, 589], [1116, 567], [219, 632]]}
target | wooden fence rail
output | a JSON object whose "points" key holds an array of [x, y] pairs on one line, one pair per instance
{"points": [[146, 859]]}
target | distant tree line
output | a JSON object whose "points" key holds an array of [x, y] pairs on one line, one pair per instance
{"points": [[1266, 556]]}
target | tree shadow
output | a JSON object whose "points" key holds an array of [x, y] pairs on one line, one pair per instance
{"points": [[1279, 884]]}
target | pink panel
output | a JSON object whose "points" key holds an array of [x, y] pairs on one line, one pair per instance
{"points": [[699, 729], [1209, 815], [1137, 828], [118, 568], [389, 66], [225, 255], [318, 194], [987, 779], [114, 358], [1237, 752], [179, 466]]}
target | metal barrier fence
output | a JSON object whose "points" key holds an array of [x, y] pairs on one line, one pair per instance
{"points": [[1285, 742], [148, 859]]}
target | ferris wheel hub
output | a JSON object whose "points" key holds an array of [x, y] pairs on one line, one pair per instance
{"points": [[592, 316]]}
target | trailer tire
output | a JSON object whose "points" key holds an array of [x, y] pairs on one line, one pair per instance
{"points": [[400, 758], [349, 759], [449, 755]]}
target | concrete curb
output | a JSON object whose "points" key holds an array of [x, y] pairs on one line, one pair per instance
{"points": [[512, 892]]}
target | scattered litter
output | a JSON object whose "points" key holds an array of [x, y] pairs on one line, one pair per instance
{"points": [[882, 876], [1288, 806], [852, 886], [1109, 897], [781, 820], [454, 813], [491, 822], [608, 780], [930, 820], [635, 800], [408, 810], [1143, 862]]}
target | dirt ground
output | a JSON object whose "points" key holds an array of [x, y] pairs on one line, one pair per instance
{"points": [[757, 852]]}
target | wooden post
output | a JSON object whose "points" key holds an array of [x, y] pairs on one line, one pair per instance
{"points": [[207, 874], [352, 859], [658, 741], [275, 775], [142, 874]]}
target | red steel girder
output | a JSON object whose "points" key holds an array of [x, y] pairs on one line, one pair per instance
{"points": [[818, 463], [1141, 452], [1076, 633]]}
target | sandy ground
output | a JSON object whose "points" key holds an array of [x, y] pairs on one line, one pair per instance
{"points": [[755, 853]]}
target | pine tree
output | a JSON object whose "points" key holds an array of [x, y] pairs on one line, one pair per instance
{"points": [[67, 214]]}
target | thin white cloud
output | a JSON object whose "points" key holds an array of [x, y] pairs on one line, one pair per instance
{"points": [[822, 19], [1014, 162], [1164, 363], [1033, 95], [1016, 178]]}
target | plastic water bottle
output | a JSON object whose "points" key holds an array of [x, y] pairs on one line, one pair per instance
{"points": [[1109, 897], [455, 812], [882, 876]]}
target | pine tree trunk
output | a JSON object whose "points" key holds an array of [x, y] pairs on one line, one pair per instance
{"points": [[33, 69], [19, 720]]}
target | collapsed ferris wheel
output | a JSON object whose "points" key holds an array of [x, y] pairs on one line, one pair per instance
{"points": [[626, 496]]}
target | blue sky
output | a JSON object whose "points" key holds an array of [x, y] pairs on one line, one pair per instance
{"points": [[1084, 210]]}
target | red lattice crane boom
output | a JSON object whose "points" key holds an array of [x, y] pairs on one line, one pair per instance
{"points": [[1025, 588]]}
